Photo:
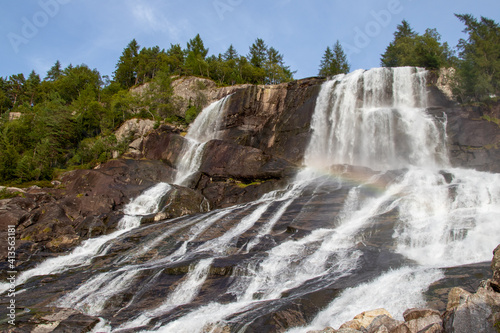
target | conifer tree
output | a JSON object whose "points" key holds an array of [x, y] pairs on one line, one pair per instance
{"points": [[334, 62]]}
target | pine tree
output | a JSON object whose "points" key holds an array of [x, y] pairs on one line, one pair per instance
{"points": [[334, 62], [479, 66], [258, 53], [54, 72], [126, 68], [411, 49], [230, 54]]}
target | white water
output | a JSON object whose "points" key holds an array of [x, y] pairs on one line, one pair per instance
{"points": [[146, 203], [358, 121], [184, 293], [204, 128]]}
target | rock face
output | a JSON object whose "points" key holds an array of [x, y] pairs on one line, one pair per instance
{"points": [[87, 203], [192, 90], [264, 134], [275, 119], [473, 142]]}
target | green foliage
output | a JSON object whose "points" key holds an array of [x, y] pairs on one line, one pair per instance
{"points": [[126, 68], [411, 49], [478, 71], [191, 114], [67, 119], [4, 194], [335, 62]]}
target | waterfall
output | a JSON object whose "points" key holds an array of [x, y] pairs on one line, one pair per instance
{"points": [[376, 119], [204, 128]]}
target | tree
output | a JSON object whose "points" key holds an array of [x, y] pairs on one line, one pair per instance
{"points": [[5, 102], [15, 88], [32, 87], [175, 59], [258, 53], [126, 68], [334, 62], [276, 71], [195, 46], [196, 54], [54, 72], [230, 54], [478, 70], [411, 49], [76, 79]]}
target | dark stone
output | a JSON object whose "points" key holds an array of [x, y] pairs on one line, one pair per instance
{"points": [[275, 119]]}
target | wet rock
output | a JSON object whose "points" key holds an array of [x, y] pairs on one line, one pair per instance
{"points": [[473, 142], [420, 319], [274, 118], [224, 160], [86, 204], [182, 201], [50, 319], [495, 267]]}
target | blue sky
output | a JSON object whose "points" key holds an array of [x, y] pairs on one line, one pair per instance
{"points": [[36, 33]]}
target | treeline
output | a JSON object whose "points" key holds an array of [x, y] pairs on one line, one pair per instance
{"points": [[67, 119], [476, 59], [262, 65]]}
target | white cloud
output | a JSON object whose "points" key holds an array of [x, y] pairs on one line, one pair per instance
{"points": [[151, 19]]}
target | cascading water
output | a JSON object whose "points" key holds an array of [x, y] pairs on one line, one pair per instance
{"points": [[146, 203], [204, 128], [376, 119], [378, 236]]}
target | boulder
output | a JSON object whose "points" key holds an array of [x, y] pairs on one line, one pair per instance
{"points": [[418, 320], [475, 312], [479, 312], [364, 319], [230, 174], [162, 144], [382, 323]]}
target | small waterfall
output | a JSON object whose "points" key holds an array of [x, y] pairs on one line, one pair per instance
{"points": [[146, 203], [204, 128]]}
